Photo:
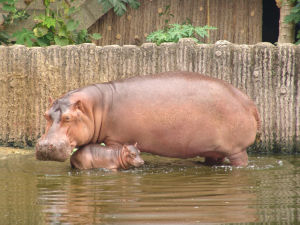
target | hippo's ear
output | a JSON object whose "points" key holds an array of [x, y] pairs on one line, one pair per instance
{"points": [[135, 145], [78, 105], [50, 100]]}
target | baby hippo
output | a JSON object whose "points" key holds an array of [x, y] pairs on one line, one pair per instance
{"points": [[96, 156]]}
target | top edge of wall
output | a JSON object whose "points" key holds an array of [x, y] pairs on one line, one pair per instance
{"points": [[188, 41]]}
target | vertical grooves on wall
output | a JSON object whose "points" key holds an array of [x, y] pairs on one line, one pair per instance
{"points": [[286, 58], [268, 90], [29, 101], [112, 61], [3, 94], [68, 75], [262, 89], [168, 56], [241, 68], [130, 61], [37, 60], [99, 64], [86, 68], [222, 60], [186, 54], [35, 124], [268, 74], [203, 58], [16, 93], [297, 99], [149, 58]]}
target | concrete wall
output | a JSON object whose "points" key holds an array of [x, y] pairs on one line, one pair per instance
{"points": [[269, 74]]}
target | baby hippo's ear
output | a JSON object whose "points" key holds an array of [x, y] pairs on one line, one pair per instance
{"points": [[136, 146], [125, 149]]}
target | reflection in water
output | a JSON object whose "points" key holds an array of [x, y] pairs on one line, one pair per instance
{"points": [[157, 198], [164, 191]]}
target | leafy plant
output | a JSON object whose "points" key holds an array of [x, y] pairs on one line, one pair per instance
{"points": [[57, 27], [12, 15], [119, 5], [294, 17], [4, 37], [166, 13], [52, 27], [24, 37], [174, 32]]}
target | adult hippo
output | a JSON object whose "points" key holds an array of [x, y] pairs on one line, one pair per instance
{"points": [[173, 114]]}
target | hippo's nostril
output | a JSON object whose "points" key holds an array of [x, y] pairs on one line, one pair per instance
{"points": [[62, 144], [42, 143]]}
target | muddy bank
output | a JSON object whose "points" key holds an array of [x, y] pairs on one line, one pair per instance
{"points": [[7, 151]]}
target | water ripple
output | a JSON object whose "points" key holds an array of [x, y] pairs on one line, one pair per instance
{"points": [[163, 191]]}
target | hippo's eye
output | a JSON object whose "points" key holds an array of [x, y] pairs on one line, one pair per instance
{"points": [[133, 155], [66, 118]]}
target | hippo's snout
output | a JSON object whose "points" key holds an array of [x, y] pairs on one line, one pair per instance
{"points": [[59, 150]]}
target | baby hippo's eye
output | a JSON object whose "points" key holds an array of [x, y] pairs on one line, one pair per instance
{"points": [[133, 155]]}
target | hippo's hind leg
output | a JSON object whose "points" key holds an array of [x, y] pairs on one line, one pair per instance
{"points": [[239, 159]]}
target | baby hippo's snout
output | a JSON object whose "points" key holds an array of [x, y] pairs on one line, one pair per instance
{"points": [[138, 161], [133, 155], [54, 151]]}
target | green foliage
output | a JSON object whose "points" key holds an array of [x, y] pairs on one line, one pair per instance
{"points": [[24, 37], [294, 17], [14, 14], [52, 27], [119, 5], [166, 13], [57, 27], [174, 32], [4, 38]]}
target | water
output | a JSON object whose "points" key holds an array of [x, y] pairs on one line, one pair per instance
{"points": [[163, 191]]}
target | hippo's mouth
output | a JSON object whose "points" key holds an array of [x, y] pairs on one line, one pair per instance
{"points": [[48, 152]]}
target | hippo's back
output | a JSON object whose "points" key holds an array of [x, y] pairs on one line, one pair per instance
{"points": [[180, 114]]}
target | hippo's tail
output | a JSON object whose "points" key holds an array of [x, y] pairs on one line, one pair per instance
{"points": [[258, 121]]}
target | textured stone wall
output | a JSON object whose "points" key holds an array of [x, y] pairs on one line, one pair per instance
{"points": [[269, 74]]}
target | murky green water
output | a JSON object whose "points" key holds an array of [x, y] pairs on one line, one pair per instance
{"points": [[163, 191]]}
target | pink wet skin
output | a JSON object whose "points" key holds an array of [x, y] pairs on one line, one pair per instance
{"points": [[173, 114], [96, 156]]}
